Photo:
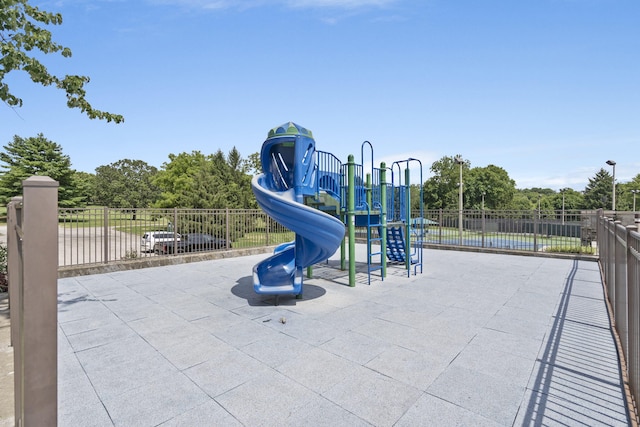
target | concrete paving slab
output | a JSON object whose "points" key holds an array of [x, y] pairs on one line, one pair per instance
{"points": [[431, 410], [274, 394], [374, 397], [477, 339], [209, 413], [488, 396]]}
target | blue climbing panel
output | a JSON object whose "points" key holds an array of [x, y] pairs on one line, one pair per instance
{"points": [[395, 244]]}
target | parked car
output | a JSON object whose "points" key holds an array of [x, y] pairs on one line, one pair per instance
{"points": [[191, 242], [151, 238]]}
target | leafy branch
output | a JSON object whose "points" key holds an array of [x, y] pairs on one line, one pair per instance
{"points": [[21, 33]]}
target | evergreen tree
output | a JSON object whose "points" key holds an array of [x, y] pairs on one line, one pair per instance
{"points": [[23, 158], [208, 182], [86, 186], [599, 192]]}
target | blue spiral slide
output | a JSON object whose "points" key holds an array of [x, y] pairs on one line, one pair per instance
{"points": [[288, 160]]}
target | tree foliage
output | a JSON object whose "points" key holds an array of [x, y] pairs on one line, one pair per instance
{"points": [[496, 185], [599, 192], [193, 180], [23, 37], [624, 194], [85, 185], [126, 184], [23, 158], [442, 189]]}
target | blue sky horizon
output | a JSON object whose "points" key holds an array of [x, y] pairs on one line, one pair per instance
{"points": [[546, 89]]}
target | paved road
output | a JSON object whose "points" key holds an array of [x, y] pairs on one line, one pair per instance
{"points": [[86, 245]]}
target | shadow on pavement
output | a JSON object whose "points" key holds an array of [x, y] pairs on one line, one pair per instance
{"points": [[244, 289]]}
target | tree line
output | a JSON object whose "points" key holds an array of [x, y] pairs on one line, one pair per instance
{"points": [[186, 180], [492, 188], [219, 181]]}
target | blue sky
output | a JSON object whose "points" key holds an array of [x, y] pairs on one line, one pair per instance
{"points": [[546, 89]]}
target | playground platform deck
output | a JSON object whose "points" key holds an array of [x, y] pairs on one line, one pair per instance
{"points": [[477, 339]]}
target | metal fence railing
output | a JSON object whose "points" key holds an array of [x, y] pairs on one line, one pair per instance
{"points": [[619, 256], [572, 232], [104, 235]]}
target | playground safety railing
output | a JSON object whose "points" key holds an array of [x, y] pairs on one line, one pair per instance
{"points": [[619, 257], [105, 235], [511, 230]]}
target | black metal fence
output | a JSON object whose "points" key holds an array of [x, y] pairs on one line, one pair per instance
{"points": [[572, 232], [105, 235]]}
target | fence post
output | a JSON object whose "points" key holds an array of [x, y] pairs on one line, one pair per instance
{"points": [[633, 314], [630, 304], [620, 305], [14, 272], [536, 217], [268, 222], [176, 230], [105, 235], [440, 217], [37, 368], [14, 276], [227, 236]]}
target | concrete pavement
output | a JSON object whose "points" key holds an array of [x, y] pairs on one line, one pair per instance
{"points": [[477, 339]]}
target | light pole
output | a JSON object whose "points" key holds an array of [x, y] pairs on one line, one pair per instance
{"points": [[539, 199], [634, 192], [458, 159], [613, 200]]}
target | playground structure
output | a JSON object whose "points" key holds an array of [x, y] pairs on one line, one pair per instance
{"points": [[314, 194]]}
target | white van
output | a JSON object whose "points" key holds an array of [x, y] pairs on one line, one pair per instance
{"points": [[150, 238]]}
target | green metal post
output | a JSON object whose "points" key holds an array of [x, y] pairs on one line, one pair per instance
{"points": [[407, 249], [351, 206], [310, 272], [383, 217], [343, 251]]}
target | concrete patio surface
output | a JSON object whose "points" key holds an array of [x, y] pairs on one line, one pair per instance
{"points": [[476, 340]]}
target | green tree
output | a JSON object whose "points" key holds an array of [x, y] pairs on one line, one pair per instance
{"points": [[598, 193], [625, 193], [441, 190], [176, 179], [254, 164], [126, 184], [23, 40], [521, 202], [23, 158], [572, 199], [494, 182], [84, 183], [538, 197], [215, 181]]}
